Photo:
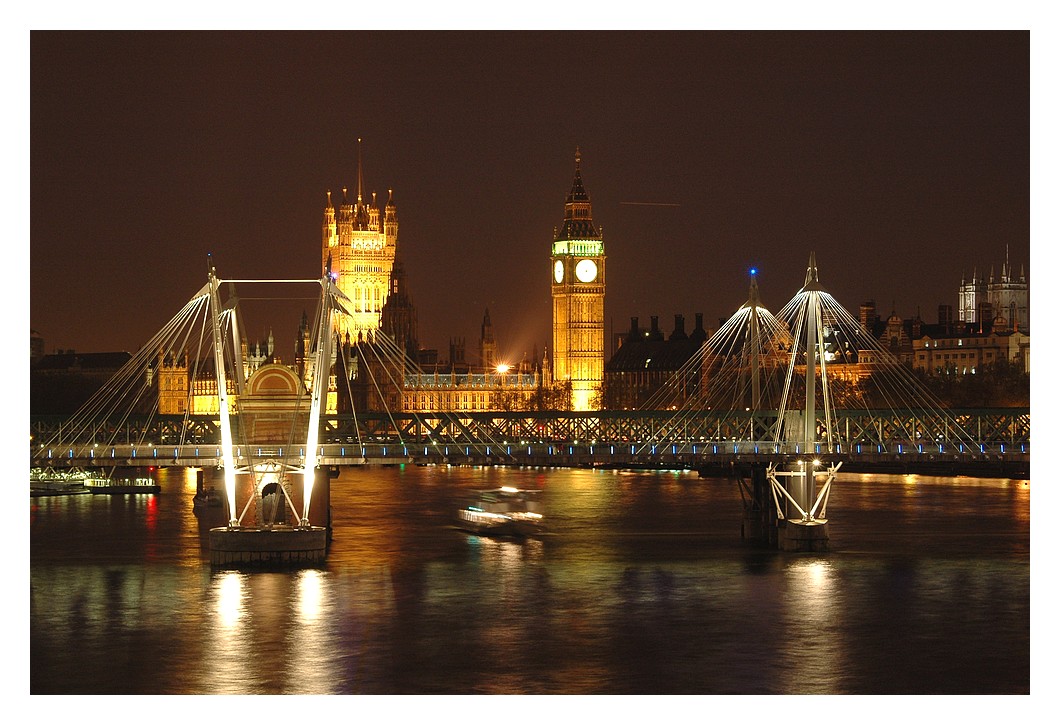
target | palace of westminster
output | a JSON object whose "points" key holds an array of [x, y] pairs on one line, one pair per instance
{"points": [[379, 365]]}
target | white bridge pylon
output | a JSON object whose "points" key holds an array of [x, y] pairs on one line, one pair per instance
{"points": [[331, 300], [799, 495]]}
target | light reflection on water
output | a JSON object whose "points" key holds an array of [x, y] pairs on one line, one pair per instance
{"points": [[641, 585]]}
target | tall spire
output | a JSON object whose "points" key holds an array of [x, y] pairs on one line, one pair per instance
{"points": [[577, 191], [578, 211], [360, 177]]}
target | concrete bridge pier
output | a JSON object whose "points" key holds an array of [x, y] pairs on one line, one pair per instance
{"points": [[800, 529]]}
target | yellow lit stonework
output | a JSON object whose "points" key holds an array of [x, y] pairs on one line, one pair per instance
{"points": [[578, 287], [360, 239]]}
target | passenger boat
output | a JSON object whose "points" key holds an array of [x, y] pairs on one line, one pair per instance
{"points": [[50, 482], [504, 511], [139, 484]]}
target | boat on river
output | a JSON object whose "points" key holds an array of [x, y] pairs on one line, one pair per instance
{"points": [[207, 498], [109, 485], [504, 511], [52, 482]]}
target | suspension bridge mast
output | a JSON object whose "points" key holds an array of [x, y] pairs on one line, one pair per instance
{"points": [[274, 542], [800, 506]]}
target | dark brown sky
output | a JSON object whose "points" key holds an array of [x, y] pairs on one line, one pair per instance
{"points": [[901, 159]]}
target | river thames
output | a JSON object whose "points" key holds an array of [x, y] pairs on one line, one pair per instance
{"points": [[641, 585]]}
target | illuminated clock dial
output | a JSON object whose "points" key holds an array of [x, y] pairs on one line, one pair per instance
{"points": [[586, 270], [558, 270]]}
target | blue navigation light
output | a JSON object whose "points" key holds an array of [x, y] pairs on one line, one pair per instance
{"points": [[754, 271]]}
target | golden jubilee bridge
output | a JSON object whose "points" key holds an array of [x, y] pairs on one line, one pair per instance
{"points": [[763, 388], [780, 402], [991, 442]]}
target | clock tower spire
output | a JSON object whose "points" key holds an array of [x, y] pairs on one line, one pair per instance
{"points": [[578, 298]]}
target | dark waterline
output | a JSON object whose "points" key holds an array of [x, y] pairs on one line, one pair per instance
{"points": [[641, 586]]}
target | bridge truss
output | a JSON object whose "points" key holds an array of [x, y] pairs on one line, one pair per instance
{"points": [[640, 434]]}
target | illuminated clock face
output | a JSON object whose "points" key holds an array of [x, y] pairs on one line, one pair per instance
{"points": [[558, 270], [586, 270]]}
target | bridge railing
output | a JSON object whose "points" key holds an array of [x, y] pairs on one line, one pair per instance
{"points": [[687, 454], [637, 433]]}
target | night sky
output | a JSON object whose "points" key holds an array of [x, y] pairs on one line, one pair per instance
{"points": [[902, 159]]}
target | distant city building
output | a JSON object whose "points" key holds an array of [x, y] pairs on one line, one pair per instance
{"points": [[971, 352], [380, 380], [361, 241], [64, 380], [948, 347], [1002, 302], [649, 369], [190, 386], [578, 285]]}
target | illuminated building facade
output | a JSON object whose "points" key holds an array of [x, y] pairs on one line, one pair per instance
{"points": [[380, 380], [361, 240], [578, 285], [192, 388], [997, 302]]}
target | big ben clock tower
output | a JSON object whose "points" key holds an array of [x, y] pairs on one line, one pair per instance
{"points": [[578, 298]]}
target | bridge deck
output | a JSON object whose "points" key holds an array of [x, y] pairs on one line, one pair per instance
{"points": [[902, 457]]}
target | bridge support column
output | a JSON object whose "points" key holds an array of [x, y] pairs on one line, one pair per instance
{"points": [[759, 515], [799, 507]]}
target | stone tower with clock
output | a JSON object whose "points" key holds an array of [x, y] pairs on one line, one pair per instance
{"points": [[578, 299], [361, 240]]}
